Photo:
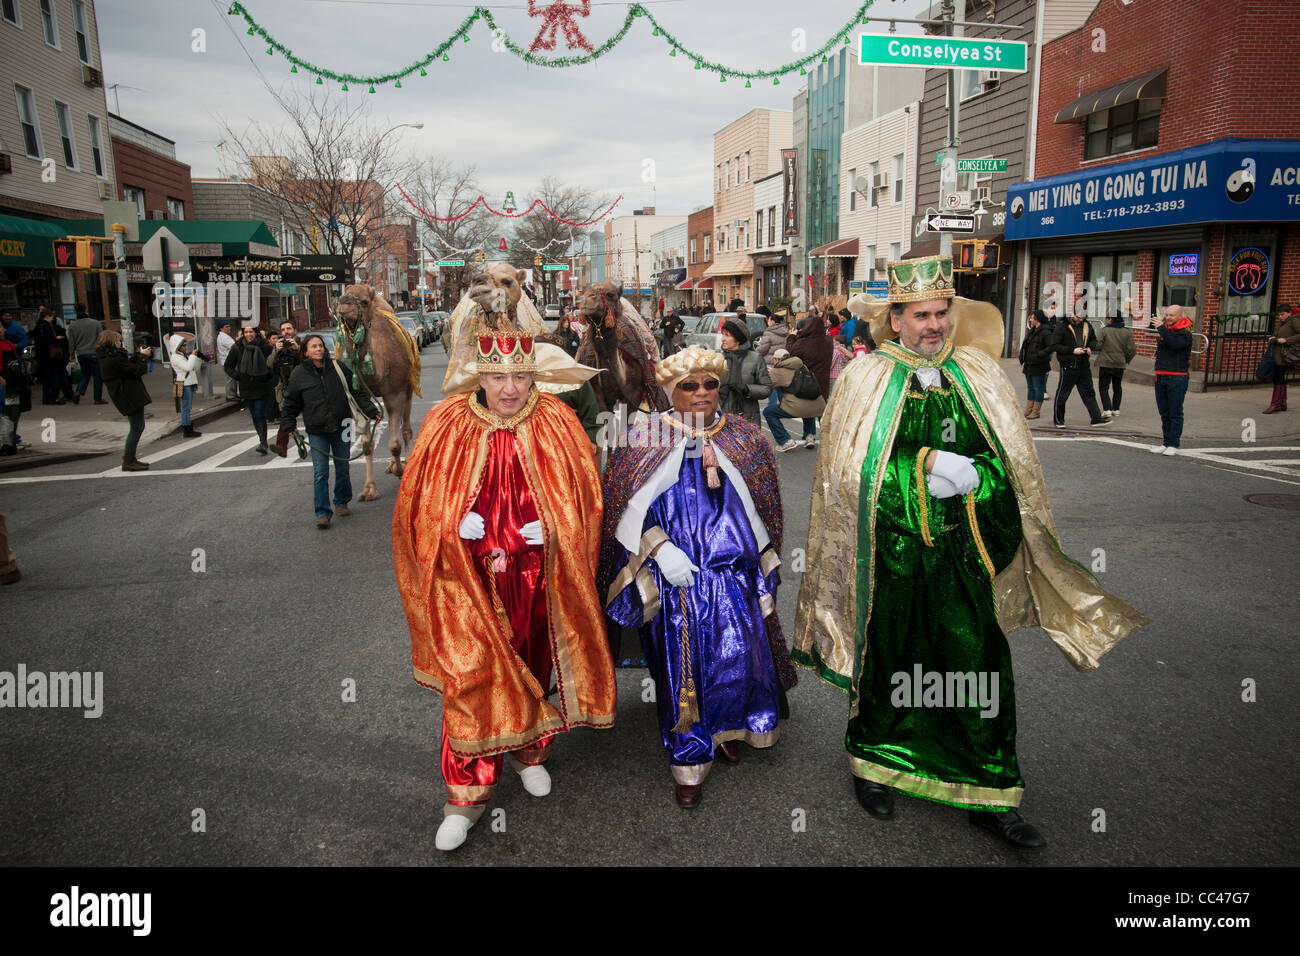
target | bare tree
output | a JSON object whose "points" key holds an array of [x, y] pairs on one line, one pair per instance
{"points": [[331, 169], [540, 235], [445, 191]]}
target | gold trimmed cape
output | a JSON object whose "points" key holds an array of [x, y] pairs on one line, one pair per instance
{"points": [[459, 646], [1042, 586]]}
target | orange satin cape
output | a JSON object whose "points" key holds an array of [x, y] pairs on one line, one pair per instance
{"points": [[459, 644]]}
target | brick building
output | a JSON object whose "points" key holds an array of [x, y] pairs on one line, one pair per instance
{"points": [[1167, 170], [148, 172]]}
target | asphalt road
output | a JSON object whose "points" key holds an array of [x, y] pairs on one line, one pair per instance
{"points": [[223, 690]]}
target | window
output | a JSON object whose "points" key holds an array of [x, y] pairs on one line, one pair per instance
{"points": [[758, 219], [871, 263], [853, 193], [79, 24], [771, 225], [96, 146], [135, 195], [27, 119], [50, 23], [746, 165], [875, 179], [719, 177], [9, 8], [692, 251], [727, 176], [65, 134], [895, 251], [176, 210], [737, 168], [968, 84], [898, 177], [707, 253], [1122, 129]]}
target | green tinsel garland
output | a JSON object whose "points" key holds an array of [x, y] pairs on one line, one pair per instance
{"points": [[462, 33]]}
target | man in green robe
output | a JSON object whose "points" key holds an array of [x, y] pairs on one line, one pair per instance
{"points": [[929, 502]]}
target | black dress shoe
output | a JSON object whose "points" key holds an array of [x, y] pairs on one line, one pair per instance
{"points": [[877, 800], [688, 795], [730, 751], [1010, 827]]}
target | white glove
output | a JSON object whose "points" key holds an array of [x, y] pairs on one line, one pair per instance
{"points": [[958, 469], [471, 527], [532, 532], [940, 487], [675, 565]]}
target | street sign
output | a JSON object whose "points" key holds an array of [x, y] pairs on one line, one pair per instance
{"points": [[981, 165], [943, 53], [450, 262], [554, 267], [957, 200], [940, 156], [938, 222]]}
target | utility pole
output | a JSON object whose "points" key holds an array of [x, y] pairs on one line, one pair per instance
{"points": [[952, 141], [636, 262], [123, 298]]}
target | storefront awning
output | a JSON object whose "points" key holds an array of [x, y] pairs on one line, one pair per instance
{"points": [[771, 258], [207, 238], [704, 284], [683, 286], [29, 242], [839, 249], [1149, 86]]}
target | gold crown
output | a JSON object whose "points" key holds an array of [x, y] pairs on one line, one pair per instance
{"points": [[920, 280], [504, 351]]}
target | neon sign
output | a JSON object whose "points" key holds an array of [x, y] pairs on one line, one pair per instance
{"points": [[1184, 263]]}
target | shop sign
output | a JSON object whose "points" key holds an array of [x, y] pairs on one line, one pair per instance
{"points": [[1248, 271]]}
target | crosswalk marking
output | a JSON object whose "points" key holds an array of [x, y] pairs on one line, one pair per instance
{"points": [[214, 462], [176, 450]]}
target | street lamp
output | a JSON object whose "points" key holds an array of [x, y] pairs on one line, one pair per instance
{"points": [[416, 125]]}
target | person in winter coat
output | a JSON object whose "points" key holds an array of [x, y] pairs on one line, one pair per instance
{"points": [[1117, 350], [773, 338], [785, 404], [246, 363], [1036, 361], [841, 355], [670, 326], [318, 390], [83, 333], [1173, 354], [124, 378], [186, 364], [1073, 342], [812, 345], [15, 390], [1287, 332], [52, 360], [747, 380]]}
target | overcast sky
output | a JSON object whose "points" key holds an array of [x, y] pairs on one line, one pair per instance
{"points": [[591, 125]]}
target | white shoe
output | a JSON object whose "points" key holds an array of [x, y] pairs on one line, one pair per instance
{"points": [[452, 831], [535, 779], [1114, 412], [810, 441], [1107, 414], [1158, 449], [1170, 451], [790, 445]]}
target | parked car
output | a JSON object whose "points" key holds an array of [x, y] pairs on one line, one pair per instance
{"points": [[411, 322], [708, 330], [438, 322], [553, 311]]}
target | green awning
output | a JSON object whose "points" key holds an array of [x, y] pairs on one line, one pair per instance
{"points": [[233, 235], [29, 242]]}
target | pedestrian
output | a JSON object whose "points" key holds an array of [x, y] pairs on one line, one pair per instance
{"points": [[746, 379], [1173, 356], [9, 573], [785, 403], [863, 344], [15, 390], [124, 378], [931, 539], [52, 359], [1073, 342], [1036, 361], [773, 338], [224, 345], [319, 390], [495, 555], [83, 333], [286, 355], [670, 326], [186, 363], [849, 327], [247, 364], [1286, 355], [841, 355], [812, 345], [691, 556], [1116, 351]]}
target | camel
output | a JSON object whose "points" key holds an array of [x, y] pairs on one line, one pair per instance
{"points": [[494, 298], [387, 361], [618, 342]]}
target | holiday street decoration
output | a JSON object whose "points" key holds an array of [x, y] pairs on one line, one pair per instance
{"points": [[502, 245], [556, 16], [509, 204], [506, 215], [559, 15]]}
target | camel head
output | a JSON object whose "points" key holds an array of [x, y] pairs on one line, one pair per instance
{"points": [[498, 288], [600, 304], [356, 305]]}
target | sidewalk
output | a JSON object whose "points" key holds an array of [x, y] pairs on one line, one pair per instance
{"points": [[1213, 416], [86, 430]]}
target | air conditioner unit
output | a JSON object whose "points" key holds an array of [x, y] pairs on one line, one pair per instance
{"points": [[156, 214], [91, 76], [882, 263], [106, 190], [983, 194], [880, 180], [989, 78], [6, 163]]}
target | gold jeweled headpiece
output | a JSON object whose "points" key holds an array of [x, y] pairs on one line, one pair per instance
{"points": [[504, 351], [919, 280]]}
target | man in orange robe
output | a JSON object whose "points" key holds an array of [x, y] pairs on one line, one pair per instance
{"points": [[496, 535]]}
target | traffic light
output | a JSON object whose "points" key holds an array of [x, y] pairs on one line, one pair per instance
{"points": [[986, 255], [480, 257], [963, 255], [537, 260], [974, 255], [84, 254]]}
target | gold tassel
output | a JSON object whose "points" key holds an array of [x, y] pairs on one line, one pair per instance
{"points": [[710, 461], [688, 709]]}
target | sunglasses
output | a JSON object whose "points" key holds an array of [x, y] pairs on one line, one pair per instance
{"points": [[710, 385]]}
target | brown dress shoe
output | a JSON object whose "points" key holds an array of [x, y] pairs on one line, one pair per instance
{"points": [[342, 511], [688, 795], [130, 464], [101, 401], [13, 577], [730, 751], [322, 522]]}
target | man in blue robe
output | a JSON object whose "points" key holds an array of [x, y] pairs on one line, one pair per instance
{"points": [[691, 552]]}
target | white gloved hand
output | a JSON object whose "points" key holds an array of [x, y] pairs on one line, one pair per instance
{"points": [[471, 526], [676, 566], [532, 532], [940, 487], [958, 469]]}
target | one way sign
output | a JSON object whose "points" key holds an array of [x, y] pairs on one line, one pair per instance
{"points": [[946, 222]]}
